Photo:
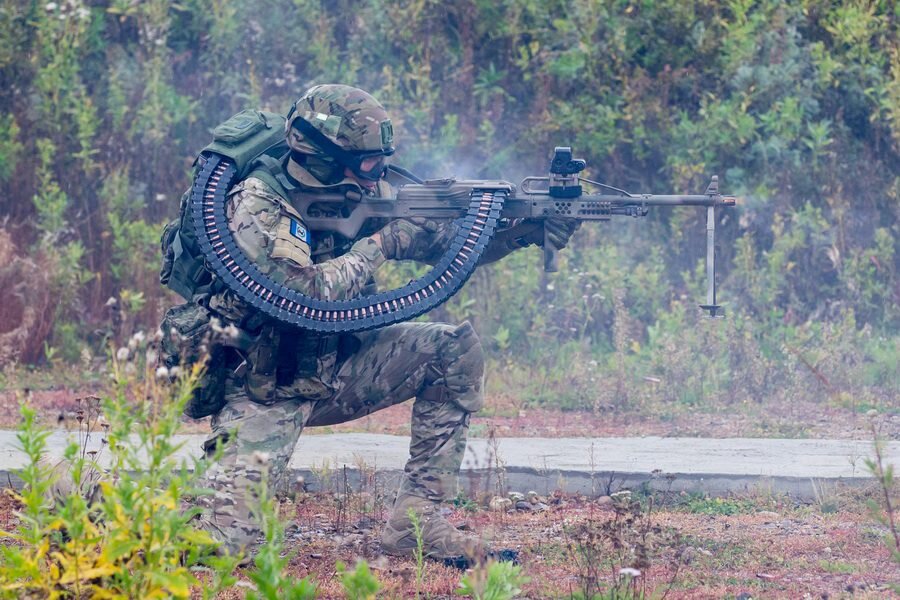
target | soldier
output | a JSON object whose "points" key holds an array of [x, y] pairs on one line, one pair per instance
{"points": [[340, 137]]}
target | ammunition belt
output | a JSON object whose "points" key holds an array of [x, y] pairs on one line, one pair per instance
{"points": [[226, 260]]}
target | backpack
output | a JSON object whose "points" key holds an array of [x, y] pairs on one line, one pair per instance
{"points": [[254, 140]]}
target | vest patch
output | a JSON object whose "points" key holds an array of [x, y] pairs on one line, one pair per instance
{"points": [[299, 231]]}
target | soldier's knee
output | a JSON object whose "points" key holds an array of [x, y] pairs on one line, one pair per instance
{"points": [[463, 359]]}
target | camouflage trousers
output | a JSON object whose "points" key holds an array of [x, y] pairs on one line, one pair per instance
{"points": [[439, 365]]}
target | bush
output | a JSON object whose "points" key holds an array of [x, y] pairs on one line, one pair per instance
{"points": [[92, 531]]}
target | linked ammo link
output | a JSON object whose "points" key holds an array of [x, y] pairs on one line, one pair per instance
{"points": [[287, 306]]}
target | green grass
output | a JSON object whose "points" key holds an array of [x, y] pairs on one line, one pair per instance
{"points": [[696, 504], [837, 566]]}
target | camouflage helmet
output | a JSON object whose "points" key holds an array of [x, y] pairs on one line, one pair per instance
{"points": [[346, 124]]}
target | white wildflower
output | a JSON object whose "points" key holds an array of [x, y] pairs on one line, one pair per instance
{"points": [[130, 369], [51, 6], [231, 332], [161, 198], [111, 301], [162, 372], [174, 371], [82, 13], [550, 287], [139, 337], [629, 572], [122, 354]]}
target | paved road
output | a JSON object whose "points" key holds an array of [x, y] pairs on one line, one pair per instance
{"points": [[802, 468]]}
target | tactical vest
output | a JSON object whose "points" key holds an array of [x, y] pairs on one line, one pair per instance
{"points": [[254, 140]]}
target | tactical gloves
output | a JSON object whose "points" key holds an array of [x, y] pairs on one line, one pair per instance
{"points": [[559, 231], [415, 238]]}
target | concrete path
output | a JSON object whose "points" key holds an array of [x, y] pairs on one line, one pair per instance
{"points": [[805, 469]]}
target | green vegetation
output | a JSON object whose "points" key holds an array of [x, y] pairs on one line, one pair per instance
{"points": [[87, 531], [796, 105], [496, 581], [718, 506]]}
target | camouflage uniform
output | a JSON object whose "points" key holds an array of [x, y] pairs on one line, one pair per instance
{"points": [[288, 379], [439, 365]]}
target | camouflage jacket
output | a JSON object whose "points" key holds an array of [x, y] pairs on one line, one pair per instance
{"points": [[272, 234]]}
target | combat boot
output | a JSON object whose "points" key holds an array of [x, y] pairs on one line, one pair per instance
{"points": [[440, 540]]}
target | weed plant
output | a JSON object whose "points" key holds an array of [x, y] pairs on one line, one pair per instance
{"points": [[613, 555], [494, 581], [131, 538], [885, 509]]}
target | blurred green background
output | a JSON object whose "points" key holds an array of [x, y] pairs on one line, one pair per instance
{"points": [[796, 105]]}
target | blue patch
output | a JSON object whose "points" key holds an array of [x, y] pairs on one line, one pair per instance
{"points": [[299, 231]]}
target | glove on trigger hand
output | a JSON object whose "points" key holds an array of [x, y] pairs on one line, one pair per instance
{"points": [[558, 232], [401, 238]]}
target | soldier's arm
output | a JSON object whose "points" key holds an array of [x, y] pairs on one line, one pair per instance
{"points": [[425, 240], [273, 236]]}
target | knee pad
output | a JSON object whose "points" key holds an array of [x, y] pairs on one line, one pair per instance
{"points": [[462, 360]]}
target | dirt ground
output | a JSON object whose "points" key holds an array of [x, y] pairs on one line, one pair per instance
{"points": [[507, 418], [762, 547], [735, 548]]}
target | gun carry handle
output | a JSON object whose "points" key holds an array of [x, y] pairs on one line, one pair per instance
{"points": [[551, 255]]}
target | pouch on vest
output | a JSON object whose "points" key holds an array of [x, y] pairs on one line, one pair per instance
{"points": [[187, 339]]}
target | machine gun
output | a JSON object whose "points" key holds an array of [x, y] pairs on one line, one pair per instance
{"points": [[478, 207]]}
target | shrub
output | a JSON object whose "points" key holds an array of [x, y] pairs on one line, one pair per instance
{"points": [[91, 531]]}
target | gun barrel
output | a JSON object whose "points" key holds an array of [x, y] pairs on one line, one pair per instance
{"points": [[662, 199]]}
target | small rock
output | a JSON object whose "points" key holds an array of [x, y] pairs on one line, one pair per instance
{"points": [[826, 550], [766, 576], [315, 555], [522, 505], [516, 497], [534, 498], [744, 596], [768, 513], [499, 504], [604, 500]]}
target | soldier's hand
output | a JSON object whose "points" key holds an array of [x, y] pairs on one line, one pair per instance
{"points": [[558, 232], [397, 237]]}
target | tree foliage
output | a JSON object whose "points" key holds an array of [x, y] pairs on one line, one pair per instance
{"points": [[104, 104]]}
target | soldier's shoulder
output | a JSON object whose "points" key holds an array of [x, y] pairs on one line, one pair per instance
{"points": [[255, 186]]}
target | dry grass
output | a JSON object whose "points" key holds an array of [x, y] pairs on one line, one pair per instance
{"points": [[24, 304], [793, 552]]}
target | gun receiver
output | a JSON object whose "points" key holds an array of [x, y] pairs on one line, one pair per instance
{"points": [[558, 196]]}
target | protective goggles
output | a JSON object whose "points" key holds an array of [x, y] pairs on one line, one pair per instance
{"points": [[360, 163]]}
